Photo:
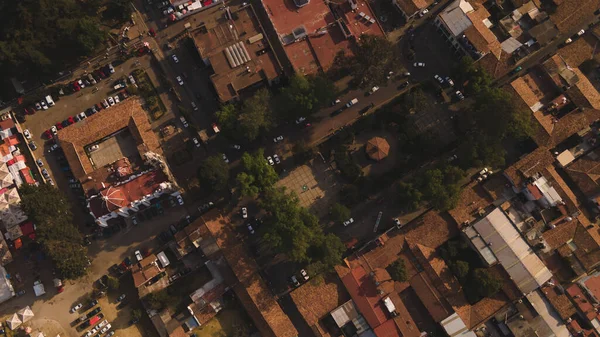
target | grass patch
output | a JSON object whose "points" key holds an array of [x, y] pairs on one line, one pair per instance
{"points": [[154, 104]]}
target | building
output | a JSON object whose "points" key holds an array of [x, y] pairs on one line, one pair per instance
{"points": [[572, 14], [145, 270], [467, 27], [6, 289], [498, 241], [235, 45], [117, 158], [312, 33]]}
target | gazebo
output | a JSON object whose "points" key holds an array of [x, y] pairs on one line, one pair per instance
{"points": [[377, 148], [25, 314], [13, 322]]}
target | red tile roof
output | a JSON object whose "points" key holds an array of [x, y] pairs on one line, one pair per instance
{"points": [[582, 302], [364, 292], [387, 329]]}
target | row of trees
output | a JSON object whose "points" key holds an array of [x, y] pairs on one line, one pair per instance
{"points": [[42, 37], [49, 210]]}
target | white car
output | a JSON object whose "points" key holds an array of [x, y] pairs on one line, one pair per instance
{"points": [[27, 134], [459, 95], [179, 80], [419, 64], [53, 130], [77, 307], [138, 255], [270, 161], [278, 139], [300, 120], [81, 84], [93, 147], [184, 122], [304, 274], [449, 81], [82, 116], [117, 100], [110, 68], [276, 158], [44, 106], [438, 78], [348, 222], [225, 158], [196, 142], [237, 147], [397, 222], [101, 324], [111, 101], [244, 212], [131, 79], [106, 328], [194, 106], [175, 59], [423, 12], [581, 32], [373, 90], [50, 181]]}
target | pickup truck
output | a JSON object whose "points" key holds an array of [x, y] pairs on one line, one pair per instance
{"points": [[351, 102]]}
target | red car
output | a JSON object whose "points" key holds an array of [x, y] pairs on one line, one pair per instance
{"points": [[76, 86], [58, 125], [48, 134], [152, 32], [99, 106], [71, 120]]}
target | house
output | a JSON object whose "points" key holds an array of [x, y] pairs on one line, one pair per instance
{"points": [[467, 27], [145, 270]]}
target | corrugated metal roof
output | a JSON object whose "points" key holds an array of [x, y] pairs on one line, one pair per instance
{"points": [[455, 18], [518, 259], [455, 327]]}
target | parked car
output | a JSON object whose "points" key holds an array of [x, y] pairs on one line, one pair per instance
{"points": [[179, 80], [449, 81], [194, 106], [225, 158], [76, 307], [120, 298], [175, 59], [419, 64], [348, 222], [40, 162], [244, 212], [337, 100], [278, 139], [304, 274], [459, 95], [294, 281], [270, 161], [32, 145], [351, 102], [373, 90], [138, 255], [276, 159], [111, 101], [196, 142], [438, 78], [250, 229], [184, 122], [117, 100]]}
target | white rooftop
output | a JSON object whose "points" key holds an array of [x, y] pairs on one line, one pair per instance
{"points": [[455, 327], [518, 259]]}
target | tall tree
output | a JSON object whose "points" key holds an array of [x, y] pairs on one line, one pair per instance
{"points": [[408, 196], [214, 173], [397, 271], [485, 283], [304, 96], [339, 212], [375, 56], [257, 175], [256, 115]]}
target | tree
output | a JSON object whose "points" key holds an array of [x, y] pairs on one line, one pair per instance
{"points": [[157, 300], [375, 56], [136, 314], [112, 283], [302, 153], [214, 173], [227, 117], [397, 270], [441, 188], [118, 10], [257, 175], [408, 196], [339, 212], [416, 100], [460, 269], [485, 283], [256, 115], [304, 96], [49, 209], [326, 253], [349, 195]]}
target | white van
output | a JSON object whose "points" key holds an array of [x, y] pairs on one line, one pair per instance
{"points": [[50, 101], [162, 258]]}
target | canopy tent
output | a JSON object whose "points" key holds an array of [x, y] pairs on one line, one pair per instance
{"points": [[13, 322], [10, 210], [25, 314], [377, 148], [38, 288], [6, 179]]}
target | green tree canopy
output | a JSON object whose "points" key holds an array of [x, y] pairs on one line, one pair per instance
{"points": [[349, 195], [256, 115], [408, 196], [214, 173], [257, 175], [49, 209], [460, 269], [485, 283], [375, 56], [112, 283], [397, 271], [339, 212], [441, 187], [118, 10], [227, 117], [304, 96]]}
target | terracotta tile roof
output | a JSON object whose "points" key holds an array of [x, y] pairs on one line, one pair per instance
{"points": [[559, 301], [7, 124], [573, 13], [314, 301], [571, 237], [431, 230], [387, 329], [404, 321], [578, 51], [528, 165], [496, 66], [434, 302], [145, 270], [483, 310], [251, 289], [582, 302], [441, 276], [583, 94], [472, 198], [127, 114], [528, 91], [562, 233], [482, 38], [585, 173], [364, 292]]}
